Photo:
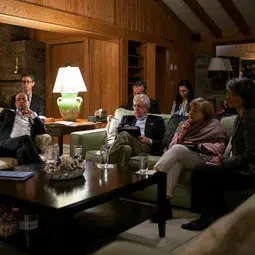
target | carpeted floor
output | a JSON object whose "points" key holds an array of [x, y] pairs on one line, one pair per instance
{"points": [[147, 233]]}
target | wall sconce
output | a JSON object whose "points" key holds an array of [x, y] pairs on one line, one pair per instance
{"points": [[69, 83], [175, 67]]}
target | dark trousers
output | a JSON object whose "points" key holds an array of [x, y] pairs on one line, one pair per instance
{"points": [[209, 183], [23, 148]]}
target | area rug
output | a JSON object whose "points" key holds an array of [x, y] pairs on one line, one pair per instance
{"points": [[147, 233]]}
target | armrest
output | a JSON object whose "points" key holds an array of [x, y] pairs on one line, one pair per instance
{"points": [[89, 139], [42, 142]]}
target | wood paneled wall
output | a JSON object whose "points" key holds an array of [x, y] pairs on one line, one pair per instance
{"points": [[105, 61], [104, 78], [145, 16]]}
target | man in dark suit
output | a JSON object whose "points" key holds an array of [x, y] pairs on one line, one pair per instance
{"points": [[36, 102], [140, 88], [17, 131], [152, 132]]}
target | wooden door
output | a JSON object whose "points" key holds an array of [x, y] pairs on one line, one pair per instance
{"points": [[59, 54]]}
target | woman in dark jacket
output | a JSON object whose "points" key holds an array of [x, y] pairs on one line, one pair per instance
{"points": [[237, 171]]}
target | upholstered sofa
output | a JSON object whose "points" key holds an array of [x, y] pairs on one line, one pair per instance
{"points": [[92, 140], [42, 143], [232, 234]]}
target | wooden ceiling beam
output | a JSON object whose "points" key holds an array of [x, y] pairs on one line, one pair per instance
{"points": [[236, 16], [204, 17]]}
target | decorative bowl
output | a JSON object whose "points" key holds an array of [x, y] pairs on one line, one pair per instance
{"points": [[65, 168], [65, 175], [8, 228]]}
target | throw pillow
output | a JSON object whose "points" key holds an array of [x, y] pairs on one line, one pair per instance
{"points": [[111, 130], [171, 128]]}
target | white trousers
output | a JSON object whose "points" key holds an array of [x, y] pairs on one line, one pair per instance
{"points": [[174, 161]]}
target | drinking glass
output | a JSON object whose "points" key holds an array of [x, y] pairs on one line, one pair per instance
{"points": [[77, 151], [144, 162], [52, 152], [104, 156]]}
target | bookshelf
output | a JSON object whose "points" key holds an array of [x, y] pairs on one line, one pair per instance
{"points": [[136, 63]]}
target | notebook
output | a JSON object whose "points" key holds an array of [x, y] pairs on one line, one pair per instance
{"points": [[15, 175]]}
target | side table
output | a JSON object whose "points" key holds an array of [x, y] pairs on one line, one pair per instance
{"points": [[59, 130]]}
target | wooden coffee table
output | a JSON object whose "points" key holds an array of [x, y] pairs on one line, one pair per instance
{"points": [[65, 204]]}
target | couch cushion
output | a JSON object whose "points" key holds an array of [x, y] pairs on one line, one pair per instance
{"points": [[111, 130], [134, 162], [93, 155], [171, 127], [228, 122], [121, 112]]}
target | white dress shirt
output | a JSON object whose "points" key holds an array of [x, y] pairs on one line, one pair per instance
{"points": [[22, 125]]}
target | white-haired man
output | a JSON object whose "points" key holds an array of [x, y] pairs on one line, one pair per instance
{"points": [[152, 132]]}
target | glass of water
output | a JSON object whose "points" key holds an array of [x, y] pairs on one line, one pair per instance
{"points": [[77, 151], [144, 162], [104, 156]]}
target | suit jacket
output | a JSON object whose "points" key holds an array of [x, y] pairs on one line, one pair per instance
{"points": [[243, 144], [7, 118], [154, 107], [36, 105], [154, 129]]}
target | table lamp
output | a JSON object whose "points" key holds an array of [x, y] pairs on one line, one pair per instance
{"points": [[69, 83], [216, 64]]}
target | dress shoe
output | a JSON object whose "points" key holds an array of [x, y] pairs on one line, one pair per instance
{"points": [[197, 225], [168, 215]]}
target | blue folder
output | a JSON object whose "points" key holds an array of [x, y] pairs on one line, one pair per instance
{"points": [[15, 175]]}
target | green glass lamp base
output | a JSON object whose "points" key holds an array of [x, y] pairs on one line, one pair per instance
{"points": [[69, 106]]}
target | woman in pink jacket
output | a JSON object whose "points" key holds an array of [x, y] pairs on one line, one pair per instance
{"points": [[198, 140]]}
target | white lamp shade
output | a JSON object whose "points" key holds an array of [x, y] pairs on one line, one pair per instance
{"points": [[216, 64], [227, 64], [69, 80]]}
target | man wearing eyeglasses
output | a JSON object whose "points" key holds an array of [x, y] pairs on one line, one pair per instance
{"points": [[140, 88], [152, 130], [17, 131], [36, 102]]}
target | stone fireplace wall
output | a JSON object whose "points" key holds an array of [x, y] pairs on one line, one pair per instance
{"points": [[19, 55], [203, 84]]}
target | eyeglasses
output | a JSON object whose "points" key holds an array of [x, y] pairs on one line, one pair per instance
{"points": [[28, 82], [139, 106]]}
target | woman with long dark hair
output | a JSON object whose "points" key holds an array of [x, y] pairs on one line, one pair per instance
{"points": [[184, 95]]}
